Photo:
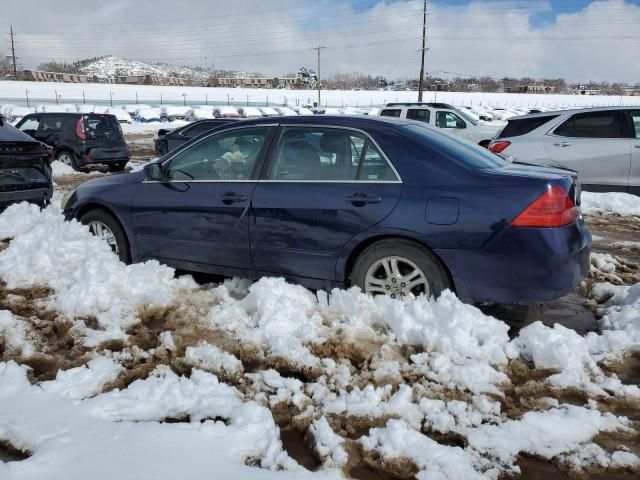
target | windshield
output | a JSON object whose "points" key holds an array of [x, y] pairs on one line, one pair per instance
{"points": [[463, 150]]}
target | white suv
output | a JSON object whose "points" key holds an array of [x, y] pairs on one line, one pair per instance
{"points": [[444, 116]]}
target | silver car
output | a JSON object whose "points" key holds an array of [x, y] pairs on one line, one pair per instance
{"points": [[601, 144]]}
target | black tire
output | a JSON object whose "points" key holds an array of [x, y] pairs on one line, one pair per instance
{"points": [[73, 161], [437, 276], [112, 224], [117, 167]]}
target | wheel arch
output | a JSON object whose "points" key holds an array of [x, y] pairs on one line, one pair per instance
{"points": [[92, 205], [366, 243]]}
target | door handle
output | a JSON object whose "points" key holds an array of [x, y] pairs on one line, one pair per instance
{"points": [[637, 145], [562, 144], [361, 199], [230, 198]]}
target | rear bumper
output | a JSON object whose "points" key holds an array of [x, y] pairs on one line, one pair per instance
{"points": [[522, 265], [105, 155], [36, 195]]}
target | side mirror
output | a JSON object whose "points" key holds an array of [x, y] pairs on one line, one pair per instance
{"points": [[153, 171]]}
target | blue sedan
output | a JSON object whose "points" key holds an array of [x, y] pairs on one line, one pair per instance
{"points": [[391, 206]]}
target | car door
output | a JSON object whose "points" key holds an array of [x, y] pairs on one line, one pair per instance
{"points": [[197, 215], [596, 145], [322, 186], [51, 128]]}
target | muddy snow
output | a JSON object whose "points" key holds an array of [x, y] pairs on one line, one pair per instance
{"points": [[109, 370]]}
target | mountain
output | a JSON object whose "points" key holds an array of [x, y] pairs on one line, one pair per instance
{"points": [[111, 66]]}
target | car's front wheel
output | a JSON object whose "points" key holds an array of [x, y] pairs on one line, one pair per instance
{"points": [[399, 269], [104, 226]]}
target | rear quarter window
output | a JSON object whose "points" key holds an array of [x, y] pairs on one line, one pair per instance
{"points": [[465, 152], [391, 112], [516, 128]]}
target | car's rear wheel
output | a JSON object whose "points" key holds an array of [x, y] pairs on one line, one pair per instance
{"points": [[117, 167], [68, 158], [104, 226], [400, 269]]}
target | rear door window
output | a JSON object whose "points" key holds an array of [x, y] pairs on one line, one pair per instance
{"points": [[391, 112], [328, 154], [52, 123], [419, 114], [593, 125], [516, 128]]}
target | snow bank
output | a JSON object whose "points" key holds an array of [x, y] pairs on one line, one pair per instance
{"points": [[61, 169], [85, 275], [623, 204]]}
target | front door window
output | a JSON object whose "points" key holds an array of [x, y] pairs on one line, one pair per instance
{"points": [[225, 156]]}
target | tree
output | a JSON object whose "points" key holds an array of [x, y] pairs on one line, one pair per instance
{"points": [[6, 68], [307, 78], [58, 67]]}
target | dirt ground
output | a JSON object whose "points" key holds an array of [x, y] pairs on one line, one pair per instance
{"points": [[60, 349]]}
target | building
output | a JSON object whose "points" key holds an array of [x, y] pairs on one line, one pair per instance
{"points": [[257, 82], [530, 88]]}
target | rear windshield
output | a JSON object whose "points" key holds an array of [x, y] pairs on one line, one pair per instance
{"points": [[101, 126], [522, 126], [465, 151]]}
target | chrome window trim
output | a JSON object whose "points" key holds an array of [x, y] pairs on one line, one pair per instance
{"points": [[244, 127], [352, 129]]}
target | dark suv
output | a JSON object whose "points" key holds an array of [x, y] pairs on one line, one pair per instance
{"points": [[25, 168], [80, 140]]}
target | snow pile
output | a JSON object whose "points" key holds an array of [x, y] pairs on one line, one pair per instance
{"points": [[14, 335], [211, 358], [87, 279], [137, 442], [623, 204], [328, 445], [61, 169], [85, 381]]}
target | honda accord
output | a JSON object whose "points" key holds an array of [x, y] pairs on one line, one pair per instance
{"points": [[392, 206]]}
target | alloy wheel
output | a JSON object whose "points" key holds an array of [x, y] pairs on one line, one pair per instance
{"points": [[397, 277], [103, 232]]}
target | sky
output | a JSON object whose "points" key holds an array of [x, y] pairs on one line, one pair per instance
{"points": [[579, 40]]}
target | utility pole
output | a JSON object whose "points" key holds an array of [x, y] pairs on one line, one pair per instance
{"points": [[206, 65], [13, 54], [318, 75], [424, 48]]}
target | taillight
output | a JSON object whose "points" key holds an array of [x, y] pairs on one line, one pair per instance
{"points": [[80, 129], [554, 208], [498, 146]]}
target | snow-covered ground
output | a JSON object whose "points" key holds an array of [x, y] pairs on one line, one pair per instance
{"points": [[336, 98], [114, 371], [622, 204]]}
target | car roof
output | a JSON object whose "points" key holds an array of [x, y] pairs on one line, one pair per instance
{"points": [[8, 133], [353, 121], [571, 111]]}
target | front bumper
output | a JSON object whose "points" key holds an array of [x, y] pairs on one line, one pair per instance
{"points": [[522, 265]]}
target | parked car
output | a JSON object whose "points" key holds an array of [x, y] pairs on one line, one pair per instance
{"points": [[79, 140], [149, 115], [167, 139], [120, 114], [443, 116], [601, 144], [249, 112], [226, 112], [391, 206], [25, 168], [172, 113]]}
